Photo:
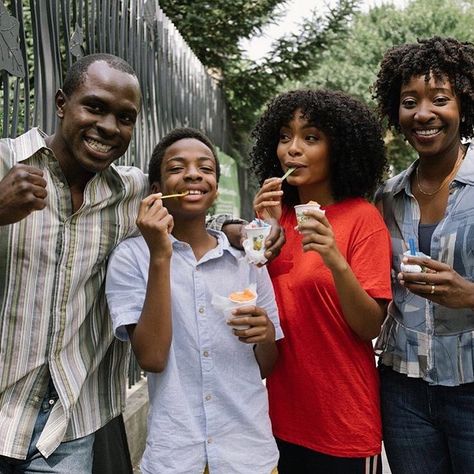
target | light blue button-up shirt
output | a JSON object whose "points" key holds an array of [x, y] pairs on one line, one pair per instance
{"points": [[209, 405]]}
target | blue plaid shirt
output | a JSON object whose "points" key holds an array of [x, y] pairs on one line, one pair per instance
{"points": [[421, 338]]}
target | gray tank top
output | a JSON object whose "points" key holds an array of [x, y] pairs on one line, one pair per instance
{"points": [[425, 232]]}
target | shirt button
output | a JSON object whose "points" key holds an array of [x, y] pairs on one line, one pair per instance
{"points": [[209, 440], [51, 402], [205, 354], [201, 309], [208, 397]]}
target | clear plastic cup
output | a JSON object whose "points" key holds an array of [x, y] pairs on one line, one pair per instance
{"points": [[301, 217]]}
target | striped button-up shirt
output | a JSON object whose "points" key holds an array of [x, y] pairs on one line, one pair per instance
{"points": [[420, 338], [53, 316]]}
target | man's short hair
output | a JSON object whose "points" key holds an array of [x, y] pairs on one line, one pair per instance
{"points": [[76, 74]]}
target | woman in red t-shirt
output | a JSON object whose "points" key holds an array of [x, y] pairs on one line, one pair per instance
{"points": [[331, 280]]}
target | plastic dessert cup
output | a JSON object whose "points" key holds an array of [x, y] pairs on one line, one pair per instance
{"points": [[413, 268], [239, 299], [257, 236], [301, 217]]}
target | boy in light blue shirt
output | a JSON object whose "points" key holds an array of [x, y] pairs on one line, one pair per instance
{"points": [[208, 406]]}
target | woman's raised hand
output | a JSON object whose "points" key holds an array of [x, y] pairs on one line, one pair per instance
{"points": [[318, 236], [267, 202]]}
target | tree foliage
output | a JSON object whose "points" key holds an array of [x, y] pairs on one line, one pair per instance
{"points": [[250, 85], [213, 29], [351, 65]]}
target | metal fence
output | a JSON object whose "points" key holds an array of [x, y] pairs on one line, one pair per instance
{"points": [[40, 39]]}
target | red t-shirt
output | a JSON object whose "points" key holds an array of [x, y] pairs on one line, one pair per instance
{"points": [[324, 390]]}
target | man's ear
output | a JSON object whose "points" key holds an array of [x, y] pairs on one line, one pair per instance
{"points": [[60, 100], [155, 187]]}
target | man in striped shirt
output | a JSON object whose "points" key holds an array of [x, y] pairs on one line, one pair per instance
{"points": [[61, 371]]}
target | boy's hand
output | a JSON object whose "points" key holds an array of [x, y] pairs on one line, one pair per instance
{"points": [[155, 223], [22, 191], [261, 329]]}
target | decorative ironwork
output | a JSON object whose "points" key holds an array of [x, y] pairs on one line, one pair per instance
{"points": [[10, 55]]}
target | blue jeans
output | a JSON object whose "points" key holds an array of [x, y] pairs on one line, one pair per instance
{"points": [[72, 457], [427, 429]]}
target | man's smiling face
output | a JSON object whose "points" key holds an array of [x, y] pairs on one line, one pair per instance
{"points": [[98, 118]]}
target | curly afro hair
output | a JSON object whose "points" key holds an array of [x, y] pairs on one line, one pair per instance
{"points": [[357, 154], [437, 56], [154, 167]]}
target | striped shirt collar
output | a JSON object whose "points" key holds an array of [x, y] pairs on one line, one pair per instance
{"points": [[30, 143]]}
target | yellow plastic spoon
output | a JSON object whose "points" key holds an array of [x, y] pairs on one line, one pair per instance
{"points": [[175, 195], [288, 172]]}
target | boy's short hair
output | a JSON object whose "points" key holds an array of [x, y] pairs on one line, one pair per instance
{"points": [[154, 167]]}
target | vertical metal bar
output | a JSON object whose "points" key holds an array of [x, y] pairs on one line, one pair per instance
{"points": [[37, 52], [82, 17], [102, 14], [17, 10], [16, 108], [124, 28], [131, 53], [91, 36], [66, 30], [114, 20], [73, 13], [52, 64], [6, 103]]}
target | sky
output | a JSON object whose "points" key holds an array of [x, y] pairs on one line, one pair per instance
{"points": [[293, 13]]}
